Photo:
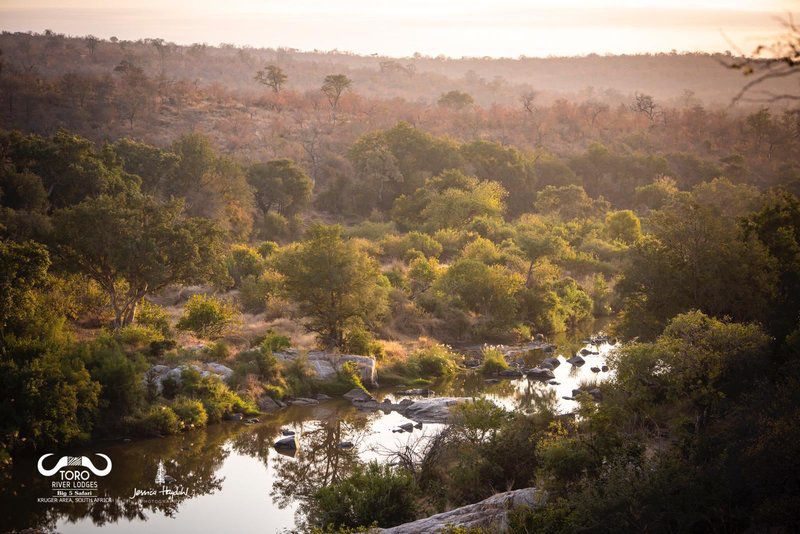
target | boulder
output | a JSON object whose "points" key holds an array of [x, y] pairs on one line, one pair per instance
{"points": [[539, 373], [576, 392], [287, 432], [595, 369], [576, 360], [357, 395], [233, 417], [604, 368], [406, 402], [585, 351], [407, 427], [322, 397], [546, 365], [346, 445], [326, 364], [220, 370], [596, 394], [510, 373], [489, 515], [553, 362], [267, 404], [288, 442], [434, 410], [554, 382]]}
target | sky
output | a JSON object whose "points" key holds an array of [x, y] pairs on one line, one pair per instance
{"points": [[456, 28]]}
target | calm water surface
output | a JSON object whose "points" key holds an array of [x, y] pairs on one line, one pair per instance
{"points": [[228, 477]]}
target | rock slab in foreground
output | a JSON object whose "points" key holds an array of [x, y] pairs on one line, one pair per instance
{"points": [[490, 514]]}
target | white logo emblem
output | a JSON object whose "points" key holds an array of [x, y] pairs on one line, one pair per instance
{"points": [[74, 461]]}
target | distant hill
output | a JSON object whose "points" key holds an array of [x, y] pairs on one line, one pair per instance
{"points": [[612, 79]]}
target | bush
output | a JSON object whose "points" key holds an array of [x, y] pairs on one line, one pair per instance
{"points": [[207, 316], [255, 291], [191, 412], [243, 261], [218, 400], [436, 361], [266, 248], [359, 340], [274, 342], [409, 245], [493, 362], [299, 376], [120, 377], [371, 494], [154, 317], [135, 337], [159, 420]]}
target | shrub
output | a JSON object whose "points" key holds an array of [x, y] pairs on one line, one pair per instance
{"points": [[191, 412], [274, 342], [409, 245], [135, 337], [359, 340], [299, 376], [493, 362], [218, 400], [207, 316], [266, 248], [432, 362], [120, 377], [371, 494], [159, 420], [347, 378], [274, 226], [255, 291], [154, 317], [243, 261]]}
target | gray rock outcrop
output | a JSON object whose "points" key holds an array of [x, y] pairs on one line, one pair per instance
{"points": [[490, 514], [326, 364]]}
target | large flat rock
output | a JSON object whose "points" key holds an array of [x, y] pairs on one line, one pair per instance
{"points": [[490, 514], [432, 410]]}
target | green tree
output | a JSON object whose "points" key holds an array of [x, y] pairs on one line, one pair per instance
{"points": [[623, 225], [333, 281], [280, 185], [777, 226], [272, 76], [133, 246], [333, 87], [694, 260], [455, 100]]}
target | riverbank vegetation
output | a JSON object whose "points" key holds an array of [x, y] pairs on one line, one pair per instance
{"points": [[355, 228]]}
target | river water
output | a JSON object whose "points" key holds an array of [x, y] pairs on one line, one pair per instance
{"points": [[229, 478]]}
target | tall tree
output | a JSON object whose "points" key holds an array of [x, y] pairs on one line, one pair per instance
{"points": [[333, 87], [133, 246], [334, 282]]}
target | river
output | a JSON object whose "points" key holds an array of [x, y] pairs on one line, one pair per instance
{"points": [[228, 477]]}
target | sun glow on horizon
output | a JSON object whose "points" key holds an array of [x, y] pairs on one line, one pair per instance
{"points": [[500, 28]]}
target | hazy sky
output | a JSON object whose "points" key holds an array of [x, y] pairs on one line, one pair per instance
{"points": [[402, 27]]}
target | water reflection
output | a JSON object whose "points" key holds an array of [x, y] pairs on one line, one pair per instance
{"points": [[231, 472]]}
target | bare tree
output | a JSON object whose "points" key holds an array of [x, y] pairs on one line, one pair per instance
{"points": [[646, 105], [528, 99], [780, 59]]}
